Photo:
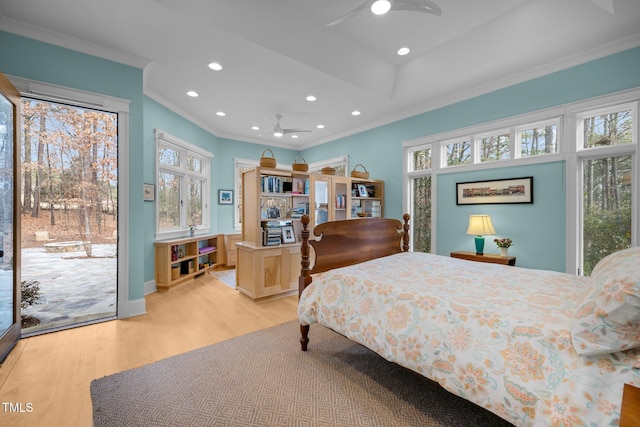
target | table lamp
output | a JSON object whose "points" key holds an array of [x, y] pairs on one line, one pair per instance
{"points": [[480, 226]]}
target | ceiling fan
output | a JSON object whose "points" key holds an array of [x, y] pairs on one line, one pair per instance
{"points": [[278, 130], [380, 7]]}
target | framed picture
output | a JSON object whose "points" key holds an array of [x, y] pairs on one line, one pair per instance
{"points": [[497, 191], [225, 197], [362, 190], [149, 193], [288, 235]]}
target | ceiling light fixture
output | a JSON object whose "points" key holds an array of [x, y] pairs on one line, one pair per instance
{"points": [[215, 66], [294, 136], [311, 98], [403, 51], [192, 93], [221, 114], [380, 7], [320, 126], [278, 134], [255, 127], [355, 113]]}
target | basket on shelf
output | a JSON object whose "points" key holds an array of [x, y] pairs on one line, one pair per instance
{"points": [[267, 162], [328, 170], [300, 167], [359, 174]]}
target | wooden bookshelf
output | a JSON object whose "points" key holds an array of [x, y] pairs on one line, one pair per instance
{"points": [[180, 260]]}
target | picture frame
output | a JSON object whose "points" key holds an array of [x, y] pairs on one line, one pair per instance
{"points": [[362, 190], [288, 235], [149, 193], [496, 191], [225, 197]]}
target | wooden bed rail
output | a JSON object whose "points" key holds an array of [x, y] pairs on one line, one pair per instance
{"points": [[348, 242]]}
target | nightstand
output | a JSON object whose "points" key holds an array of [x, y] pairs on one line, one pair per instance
{"points": [[630, 412], [490, 258]]}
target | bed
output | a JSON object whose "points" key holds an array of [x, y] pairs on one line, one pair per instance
{"points": [[534, 347]]}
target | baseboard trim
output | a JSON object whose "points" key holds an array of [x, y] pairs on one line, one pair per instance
{"points": [[150, 287], [131, 308]]}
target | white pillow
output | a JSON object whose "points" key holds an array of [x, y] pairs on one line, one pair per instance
{"points": [[607, 318]]}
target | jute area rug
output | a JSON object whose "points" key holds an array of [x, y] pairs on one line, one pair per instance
{"points": [[264, 379]]}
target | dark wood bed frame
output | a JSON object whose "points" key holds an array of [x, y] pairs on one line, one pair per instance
{"points": [[348, 242]]}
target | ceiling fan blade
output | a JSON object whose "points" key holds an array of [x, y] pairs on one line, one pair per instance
{"points": [[348, 15], [417, 6], [269, 120], [286, 131]]}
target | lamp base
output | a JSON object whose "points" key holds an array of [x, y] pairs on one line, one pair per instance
{"points": [[479, 245]]}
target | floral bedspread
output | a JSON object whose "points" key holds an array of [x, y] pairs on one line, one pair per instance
{"points": [[496, 335]]}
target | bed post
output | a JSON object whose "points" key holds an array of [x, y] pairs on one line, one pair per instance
{"points": [[305, 276], [405, 235]]}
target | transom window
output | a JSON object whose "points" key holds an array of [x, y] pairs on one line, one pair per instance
{"points": [[182, 186]]}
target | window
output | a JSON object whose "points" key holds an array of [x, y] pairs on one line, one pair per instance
{"points": [[458, 153], [419, 188], [606, 154], [495, 147], [538, 139], [182, 186]]}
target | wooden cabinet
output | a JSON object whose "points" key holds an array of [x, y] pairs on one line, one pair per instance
{"points": [[230, 241], [180, 260], [282, 197], [267, 271], [490, 258]]}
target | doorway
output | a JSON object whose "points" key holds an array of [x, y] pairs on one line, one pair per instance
{"points": [[69, 213]]}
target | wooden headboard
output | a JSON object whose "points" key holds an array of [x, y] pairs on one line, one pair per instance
{"points": [[348, 242]]}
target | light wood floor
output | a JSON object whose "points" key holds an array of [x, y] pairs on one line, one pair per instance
{"points": [[53, 372]]}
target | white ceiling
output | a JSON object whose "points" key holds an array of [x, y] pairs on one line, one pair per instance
{"points": [[276, 52]]}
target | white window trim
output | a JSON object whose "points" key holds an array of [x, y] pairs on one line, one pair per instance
{"points": [[185, 147], [120, 106], [567, 117]]}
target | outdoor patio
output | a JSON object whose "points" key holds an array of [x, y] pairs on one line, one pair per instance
{"points": [[73, 288]]}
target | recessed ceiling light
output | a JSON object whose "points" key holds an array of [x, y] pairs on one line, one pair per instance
{"points": [[320, 126], [403, 51], [255, 127], [294, 136], [380, 7], [355, 113], [221, 113], [311, 98], [215, 66], [192, 93]]}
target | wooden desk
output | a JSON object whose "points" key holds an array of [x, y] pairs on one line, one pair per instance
{"points": [[630, 412], [490, 258]]}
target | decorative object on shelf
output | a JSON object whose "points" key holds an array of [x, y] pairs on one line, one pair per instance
{"points": [[149, 193], [360, 174], [225, 197], [362, 190], [328, 170], [480, 226], [497, 191], [192, 230], [300, 167], [288, 235], [504, 244], [268, 162]]}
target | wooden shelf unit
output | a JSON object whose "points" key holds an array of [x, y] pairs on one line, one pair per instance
{"points": [[193, 258]]}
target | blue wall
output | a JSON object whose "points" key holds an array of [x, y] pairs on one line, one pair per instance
{"points": [[538, 229]]}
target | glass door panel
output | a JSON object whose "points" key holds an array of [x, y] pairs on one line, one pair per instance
{"points": [[9, 257]]}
